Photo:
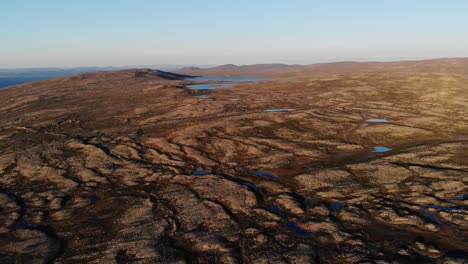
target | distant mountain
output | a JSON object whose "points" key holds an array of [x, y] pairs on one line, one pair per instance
{"points": [[282, 70], [10, 77]]}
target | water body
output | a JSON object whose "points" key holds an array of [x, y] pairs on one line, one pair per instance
{"points": [[380, 149], [445, 208], [275, 209], [251, 185], [377, 120], [431, 217], [5, 82], [265, 174], [10, 77], [293, 227], [228, 79], [209, 86], [335, 206], [202, 96], [200, 173], [279, 110]]}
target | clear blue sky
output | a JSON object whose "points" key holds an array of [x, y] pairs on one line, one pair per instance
{"points": [[128, 32]]}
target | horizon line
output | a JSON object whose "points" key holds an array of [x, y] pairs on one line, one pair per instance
{"points": [[238, 65]]}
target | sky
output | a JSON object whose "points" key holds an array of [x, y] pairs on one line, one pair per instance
{"points": [[57, 33]]}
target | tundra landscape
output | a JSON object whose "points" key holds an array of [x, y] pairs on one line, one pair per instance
{"points": [[326, 163]]}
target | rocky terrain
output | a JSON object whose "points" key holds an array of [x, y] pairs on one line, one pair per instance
{"points": [[335, 163]]}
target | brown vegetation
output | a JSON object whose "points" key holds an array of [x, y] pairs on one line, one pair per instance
{"points": [[129, 166]]}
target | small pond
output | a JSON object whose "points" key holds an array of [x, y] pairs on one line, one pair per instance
{"points": [[380, 149], [202, 96], [279, 110], [377, 120]]}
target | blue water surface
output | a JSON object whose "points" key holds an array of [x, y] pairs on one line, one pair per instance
{"points": [[209, 86], [200, 173], [228, 79], [275, 208], [380, 149], [377, 120], [279, 110], [202, 96], [265, 174], [335, 206], [293, 227], [251, 185]]}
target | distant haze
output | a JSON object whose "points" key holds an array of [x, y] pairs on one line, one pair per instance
{"points": [[54, 33]]}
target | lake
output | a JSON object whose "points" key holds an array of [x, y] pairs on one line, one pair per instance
{"points": [[228, 79], [209, 86]]}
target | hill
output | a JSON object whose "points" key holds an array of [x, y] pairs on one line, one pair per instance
{"points": [[458, 65], [9, 77]]}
